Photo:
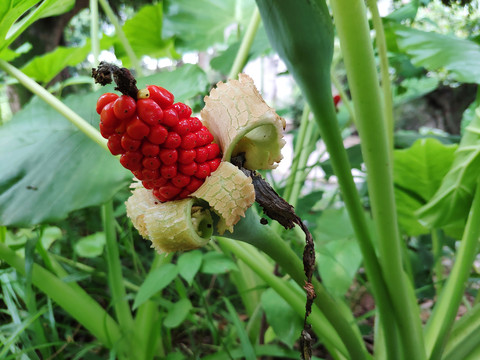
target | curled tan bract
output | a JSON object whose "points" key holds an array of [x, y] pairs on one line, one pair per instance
{"points": [[171, 226], [229, 192], [241, 122]]}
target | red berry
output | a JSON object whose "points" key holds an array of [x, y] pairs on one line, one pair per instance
{"points": [[184, 194], [148, 184], [204, 136], [166, 192], [194, 184], [189, 141], [158, 134], [188, 169], [213, 151], [149, 111], [336, 100], [180, 180], [195, 124], [138, 174], [161, 96], [168, 171], [203, 171], [173, 140], [137, 129], [120, 129], [151, 163], [108, 118], [124, 107], [114, 144], [168, 156], [105, 99], [186, 156], [106, 131], [170, 117], [182, 128], [132, 160], [130, 144], [183, 111], [202, 154], [159, 182], [214, 164], [150, 174], [149, 149]]}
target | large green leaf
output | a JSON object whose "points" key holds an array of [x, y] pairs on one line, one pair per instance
{"points": [[460, 57], [50, 168], [45, 67], [282, 318], [451, 203], [418, 172], [144, 33], [199, 24], [17, 15], [339, 256]]}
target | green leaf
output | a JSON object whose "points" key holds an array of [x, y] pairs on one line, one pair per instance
{"points": [[260, 46], [451, 203], [17, 15], [50, 234], [156, 281], [184, 82], [178, 313], [418, 173], [188, 265], [90, 246], [50, 168], [217, 263], [144, 33], [339, 256], [406, 12], [45, 67], [200, 24], [433, 51], [248, 350], [285, 322], [355, 159]]}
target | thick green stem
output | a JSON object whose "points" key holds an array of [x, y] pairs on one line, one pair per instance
{"points": [[437, 249], [443, 316], [320, 324], [94, 31], [384, 71], [115, 278], [263, 238], [242, 54], [464, 337], [55, 103], [121, 36], [76, 302], [353, 31]]}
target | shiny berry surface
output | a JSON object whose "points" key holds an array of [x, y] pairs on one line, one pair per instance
{"points": [[168, 150]]}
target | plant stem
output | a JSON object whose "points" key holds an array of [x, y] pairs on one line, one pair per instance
{"points": [[263, 238], [353, 31], [115, 278], [464, 337], [242, 54], [94, 31], [443, 316], [76, 302], [384, 72], [55, 103], [437, 248], [263, 269], [121, 36]]}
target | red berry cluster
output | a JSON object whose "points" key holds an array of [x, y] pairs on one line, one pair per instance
{"points": [[168, 150]]}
